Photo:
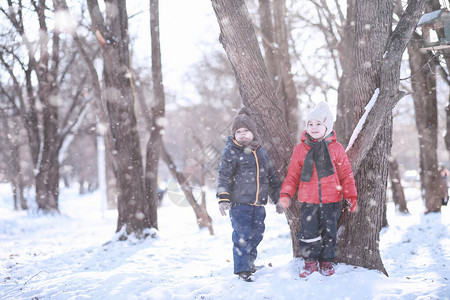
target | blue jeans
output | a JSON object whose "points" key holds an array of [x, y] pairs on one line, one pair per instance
{"points": [[248, 225]]}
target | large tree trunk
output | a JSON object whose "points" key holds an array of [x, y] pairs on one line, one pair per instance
{"points": [[239, 40], [377, 69], [133, 206], [241, 45], [371, 176], [47, 179], [425, 104]]}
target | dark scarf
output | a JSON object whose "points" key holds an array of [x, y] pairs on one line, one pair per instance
{"points": [[318, 155]]}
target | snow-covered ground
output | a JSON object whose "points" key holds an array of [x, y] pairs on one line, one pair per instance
{"points": [[74, 256]]}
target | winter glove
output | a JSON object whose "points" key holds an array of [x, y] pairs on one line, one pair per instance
{"points": [[284, 200], [223, 207], [351, 204], [279, 207]]}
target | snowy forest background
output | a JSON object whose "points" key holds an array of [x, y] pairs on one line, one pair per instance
{"points": [[124, 102]]}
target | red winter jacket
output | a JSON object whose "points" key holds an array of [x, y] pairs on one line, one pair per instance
{"points": [[329, 188]]}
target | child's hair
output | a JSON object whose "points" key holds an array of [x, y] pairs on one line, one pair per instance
{"points": [[244, 119], [322, 113]]}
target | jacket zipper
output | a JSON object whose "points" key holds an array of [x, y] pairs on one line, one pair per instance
{"points": [[257, 177], [320, 191]]}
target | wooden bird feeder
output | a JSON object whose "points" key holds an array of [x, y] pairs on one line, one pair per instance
{"points": [[430, 23]]}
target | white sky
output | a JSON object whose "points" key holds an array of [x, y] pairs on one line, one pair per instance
{"points": [[187, 29]]}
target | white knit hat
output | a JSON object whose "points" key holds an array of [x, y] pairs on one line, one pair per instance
{"points": [[322, 113]]}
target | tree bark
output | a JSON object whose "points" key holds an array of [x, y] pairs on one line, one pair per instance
{"points": [[157, 119], [268, 42], [240, 43], [286, 92], [133, 206], [39, 110], [378, 54], [425, 105], [345, 119], [398, 195], [47, 179], [371, 171], [275, 38]]}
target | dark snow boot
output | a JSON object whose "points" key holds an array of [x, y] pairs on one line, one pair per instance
{"points": [[326, 268], [310, 267], [256, 268], [246, 276]]}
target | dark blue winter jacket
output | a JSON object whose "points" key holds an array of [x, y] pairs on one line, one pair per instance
{"points": [[246, 176]]}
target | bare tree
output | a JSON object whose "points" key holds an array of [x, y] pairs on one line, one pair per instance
{"points": [[398, 195], [40, 104], [424, 66], [275, 37], [345, 120], [239, 40], [112, 36], [240, 43], [377, 77], [425, 104], [203, 219], [157, 116], [10, 135]]}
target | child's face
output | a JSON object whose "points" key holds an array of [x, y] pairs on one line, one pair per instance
{"points": [[243, 135], [316, 129]]}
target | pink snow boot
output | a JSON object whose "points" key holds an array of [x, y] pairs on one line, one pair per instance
{"points": [[326, 268], [310, 266]]}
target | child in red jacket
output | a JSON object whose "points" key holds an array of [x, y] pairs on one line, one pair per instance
{"points": [[321, 175]]}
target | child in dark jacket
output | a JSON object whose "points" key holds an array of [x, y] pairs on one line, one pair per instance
{"points": [[321, 174], [246, 179]]}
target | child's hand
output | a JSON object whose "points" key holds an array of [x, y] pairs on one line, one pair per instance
{"points": [[284, 200], [279, 208], [223, 207], [351, 204]]}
